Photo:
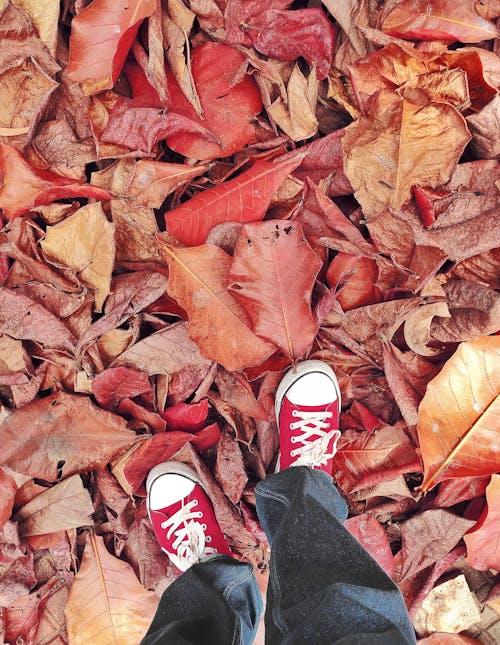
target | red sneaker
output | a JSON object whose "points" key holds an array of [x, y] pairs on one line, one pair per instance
{"points": [[307, 411], [182, 516]]}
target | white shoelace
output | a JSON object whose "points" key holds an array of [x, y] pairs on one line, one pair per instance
{"points": [[313, 452], [190, 539]]}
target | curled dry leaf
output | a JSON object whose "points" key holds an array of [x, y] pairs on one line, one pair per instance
{"points": [[101, 36], [84, 242], [438, 20], [229, 468], [482, 126], [483, 548], [61, 435], [117, 383], [117, 607], [275, 292], [24, 187], [8, 490], [354, 278], [458, 416], [198, 281], [65, 506], [245, 198], [399, 145]]}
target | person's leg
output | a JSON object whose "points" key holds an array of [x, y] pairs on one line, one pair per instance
{"points": [[216, 601], [324, 587]]}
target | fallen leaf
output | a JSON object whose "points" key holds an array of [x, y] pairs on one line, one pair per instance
{"points": [[428, 537], [287, 35], [189, 417], [24, 187], [457, 422], [449, 607], [400, 145], [117, 383], [235, 390], [135, 232], [84, 242], [371, 535], [484, 267], [354, 278], [454, 491], [20, 619], [101, 36], [166, 352], [26, 91], [242, 199], [483, 549], [198, 281], [8, 489], [230, 100], [60, 435], [275, 293], [118, 608], [481, 125], [229, 468], [237, 13], [64, 506], [445, 638], [45, 17], [366, 458], [297, 115], [438, 20]]}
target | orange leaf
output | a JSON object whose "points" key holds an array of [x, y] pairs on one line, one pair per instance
{"points": [[243, 199], [101, 36], [459, 416], [272, 274], [483, 544], [218, 323], [107, 605], [399, 145]]}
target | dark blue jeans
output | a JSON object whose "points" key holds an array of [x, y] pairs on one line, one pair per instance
{"points": [[323, 586]]}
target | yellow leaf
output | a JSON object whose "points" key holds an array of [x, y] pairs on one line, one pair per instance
{"points": [[45, 16], [85, 242], [297, 118], [107, 605]]}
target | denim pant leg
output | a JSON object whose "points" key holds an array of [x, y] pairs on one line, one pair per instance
{"points": [[324, 587], [216, 602]]}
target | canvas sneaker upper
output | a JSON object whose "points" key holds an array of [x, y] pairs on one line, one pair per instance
{"points": [[183, 518], [307, 412]]}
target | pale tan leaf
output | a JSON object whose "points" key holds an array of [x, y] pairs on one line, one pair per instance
{"points": [[11, 354], [113, 343], [45, 16], [107, 605], [297, 117], [85, 242], [65, 506], [136, 229], [485, 130]]}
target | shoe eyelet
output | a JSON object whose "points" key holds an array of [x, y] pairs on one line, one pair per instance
{"points": [[294, 413], [199, 514], [293, 439], [293, 453], [204, 527], [194, 502], [292, 426], [208, 538]]}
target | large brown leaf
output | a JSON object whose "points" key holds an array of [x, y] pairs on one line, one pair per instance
{"points": [[272, 274], [483, 546], [243, 199], [60, 435], [458, 419], [399, 145], [107, 605], [219, 325]]}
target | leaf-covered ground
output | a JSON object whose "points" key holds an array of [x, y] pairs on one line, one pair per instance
{"points": [[194, 195]]}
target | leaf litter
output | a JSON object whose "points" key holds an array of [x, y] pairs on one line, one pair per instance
{"points": [[193, 197]]}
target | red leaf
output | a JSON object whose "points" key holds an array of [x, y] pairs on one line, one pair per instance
{"points": [[24, 187], [161, 447], [141, 128], [239, 12], [21, 619], [438, 20], [186, 416], [117, 383], [230, 101], [370, 534], [483, 545], [60, 435], [355, 277], [272, 274], [454, 491], [289, 34], [243, 199], [365, 459], [101, 36], [138, 412]]}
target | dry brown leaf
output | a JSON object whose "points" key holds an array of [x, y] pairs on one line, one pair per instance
{"points": [[297, 116], [447, 86], [85, 242], [135, 232], [399, 145], [118, 610], [458, 418], [113, 343], [65, 506], [11, 354], [45, 17], [26, 90], [485, 129]]}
